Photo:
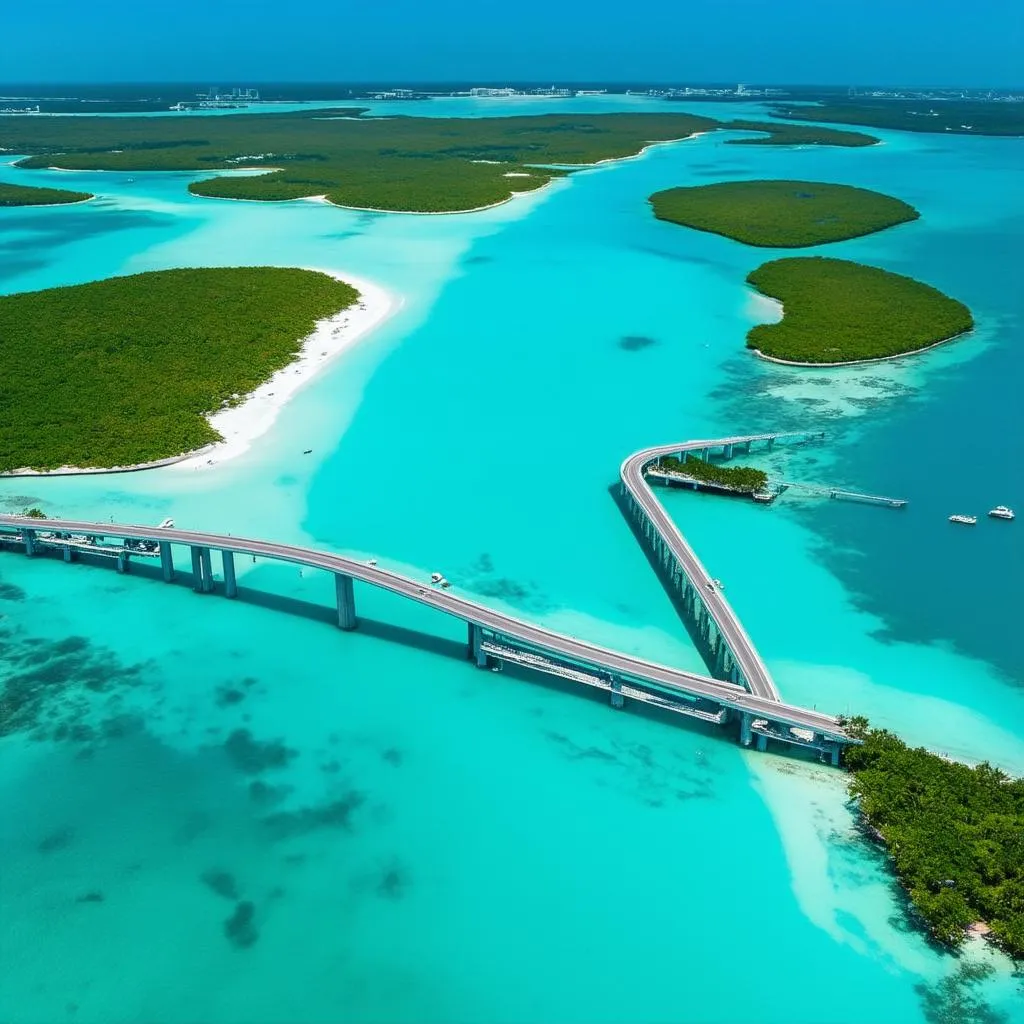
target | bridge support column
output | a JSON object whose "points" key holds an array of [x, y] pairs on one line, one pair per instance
{"points": [[346, 600], [29, 539], [746, 735], [69, 553], [207, 570], [727, 451], [617, 700], [166, 561], [230, 584], [197, 570], [762, 742], [832, 752], [476, 635], [122, 561], [719, 669]]}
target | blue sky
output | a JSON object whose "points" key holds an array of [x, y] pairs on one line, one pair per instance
{"points": [[913, 42]]}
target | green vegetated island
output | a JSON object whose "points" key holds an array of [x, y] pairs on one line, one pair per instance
{"points": [[412, 164], [781, 214], [741, 479], [955, 834], [835, 311], [124, 371], [28, 195], [946, 116]]}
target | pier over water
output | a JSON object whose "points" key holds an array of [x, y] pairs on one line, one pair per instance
{"points": [[740, 692]]}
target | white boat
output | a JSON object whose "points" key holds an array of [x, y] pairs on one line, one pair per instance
{"points": [[1002, 512], [436, 577], [167, 524], [719, 584], [966, 520]]}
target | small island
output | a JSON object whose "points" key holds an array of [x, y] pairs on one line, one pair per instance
{"points": [[837, 312], [779, 134], [124, 372], [739, 479], [27, 195], [781, 214], [955, 835]]}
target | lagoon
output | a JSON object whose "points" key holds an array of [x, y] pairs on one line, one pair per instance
{"points": [[517, 853]]}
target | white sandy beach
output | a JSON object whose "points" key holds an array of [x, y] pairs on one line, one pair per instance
{"points": [[242, 424]]}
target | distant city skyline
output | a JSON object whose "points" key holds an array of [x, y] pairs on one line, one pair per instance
{"points": [[910, 43]]}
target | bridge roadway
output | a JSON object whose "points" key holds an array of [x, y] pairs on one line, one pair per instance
{"points": [[753, 668], [669, 680]]}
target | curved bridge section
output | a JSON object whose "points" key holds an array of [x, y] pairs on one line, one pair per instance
{"points": [[747, 696], [730, 653]]}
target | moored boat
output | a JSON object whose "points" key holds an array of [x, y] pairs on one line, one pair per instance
{"points": [[966, 520], [1002, 512]]}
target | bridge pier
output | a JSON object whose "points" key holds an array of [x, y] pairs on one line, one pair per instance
{"points": [[727, 451], [746, 733], [230, 584], [762, 742], [346, 600], [69, 553], [122, 561], [617, 700], [207, 571], [476, 635], [29, 539], [202, 570], [166, 561]]}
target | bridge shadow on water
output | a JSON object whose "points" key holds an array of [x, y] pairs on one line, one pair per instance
{"points": [[313, 610], [427, 643]]}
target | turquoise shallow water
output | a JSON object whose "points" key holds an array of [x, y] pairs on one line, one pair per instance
{"points": [[433, 843]]}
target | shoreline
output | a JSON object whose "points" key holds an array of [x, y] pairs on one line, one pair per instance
{"points": [[860, 362], [40, 206], [448, 213], [241, 425]]}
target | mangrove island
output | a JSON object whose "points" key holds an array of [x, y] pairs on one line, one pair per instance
{"points": [[741, 479], [401, 164], [835, 311], [28, 195], [781, 214], [955, 835], [125, 371]]}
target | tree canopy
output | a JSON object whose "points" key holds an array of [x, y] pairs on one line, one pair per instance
{"points": [[836, 311], [955, 834], [781, 214], [27, 195], [420, 164], [125, 371]]}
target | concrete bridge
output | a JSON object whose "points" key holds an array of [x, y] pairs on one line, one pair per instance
{"points": [[745, 695]]}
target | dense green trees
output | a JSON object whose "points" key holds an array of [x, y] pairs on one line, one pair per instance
{"points": [[123, 371], [958, 117], [781, 214], [836, 311], [955, 834], [739, 478], [400, 163], [26, 195], [797, 135]]}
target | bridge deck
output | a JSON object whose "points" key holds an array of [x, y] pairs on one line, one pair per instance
{"points": [[632, 474], [675, 688]]}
